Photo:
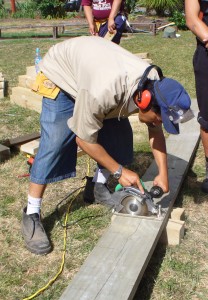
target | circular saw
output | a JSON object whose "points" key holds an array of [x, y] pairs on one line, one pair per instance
{"points": [[132, 201]]}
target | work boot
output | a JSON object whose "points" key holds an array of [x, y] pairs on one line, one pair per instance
{"points": [[36, 240], [103, 195], [204, 186], [88, 194]]}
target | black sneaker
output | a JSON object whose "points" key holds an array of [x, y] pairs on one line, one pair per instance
{"points": [[88, 193], [33, 232], [204, 186], [103, 195]]}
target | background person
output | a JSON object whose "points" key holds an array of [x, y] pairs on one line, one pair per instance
{"points": [[196, 13], [80, 90], [105, 16]]}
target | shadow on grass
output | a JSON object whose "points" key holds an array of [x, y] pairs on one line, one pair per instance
{"points": [[191, 188], [150, 275]]}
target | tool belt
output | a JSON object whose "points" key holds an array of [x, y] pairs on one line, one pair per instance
{"points": [[99, 23], [45, 87]]}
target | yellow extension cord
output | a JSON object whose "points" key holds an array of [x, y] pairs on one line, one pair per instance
{"points": [[64, 249]]}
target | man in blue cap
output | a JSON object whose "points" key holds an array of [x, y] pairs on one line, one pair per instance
{"points": [[90, 87]]}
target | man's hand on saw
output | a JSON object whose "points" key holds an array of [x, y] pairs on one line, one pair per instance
{"points": [[162, 182], [130, 178]]}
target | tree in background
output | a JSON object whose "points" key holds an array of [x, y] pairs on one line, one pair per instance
{"points": [[13, 6]]}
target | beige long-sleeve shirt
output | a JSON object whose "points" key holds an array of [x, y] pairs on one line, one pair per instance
{"points": [[100, 75]]}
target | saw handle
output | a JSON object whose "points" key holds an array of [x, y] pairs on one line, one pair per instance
{"points": [[156, 191], [119, 186]]}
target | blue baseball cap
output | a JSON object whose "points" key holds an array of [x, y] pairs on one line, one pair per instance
{"points": [[174, 103]]}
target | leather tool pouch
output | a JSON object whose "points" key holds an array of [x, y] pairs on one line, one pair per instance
{"points": [[43, 86]]}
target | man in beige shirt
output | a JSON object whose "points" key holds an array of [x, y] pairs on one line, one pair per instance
{"points": [[91, 86]]}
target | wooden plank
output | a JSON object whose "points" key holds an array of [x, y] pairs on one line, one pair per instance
{"points": [[54, 27], [16, 142], [25, 81], [142, 54], [75, 24], [4, 153], [116, 265], [33, 146], [30, 147], [31, 72], [26, 98], [173, 233]]}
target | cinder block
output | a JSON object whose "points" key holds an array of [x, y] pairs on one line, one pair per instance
{"points": [[4, 153], [173, 233]]}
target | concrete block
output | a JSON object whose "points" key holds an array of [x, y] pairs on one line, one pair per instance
{"points": [[4, 153], [173, 233]]}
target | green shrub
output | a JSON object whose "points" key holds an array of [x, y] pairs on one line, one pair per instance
{"points": [[25, 9], [179, 19], [51, 8], [162, 6], [130, 5], [4, 13]]}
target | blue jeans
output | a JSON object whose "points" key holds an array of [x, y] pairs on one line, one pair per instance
{"points": [[57, 155]]}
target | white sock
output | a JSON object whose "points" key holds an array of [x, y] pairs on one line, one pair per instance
{"points": [[33, 205], [101, 175]]}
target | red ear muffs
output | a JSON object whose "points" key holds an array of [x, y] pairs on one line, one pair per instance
{"points": [[144, 100], [145, 95]]}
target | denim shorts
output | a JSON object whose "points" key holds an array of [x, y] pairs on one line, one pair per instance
{"points": [[57, 154]]}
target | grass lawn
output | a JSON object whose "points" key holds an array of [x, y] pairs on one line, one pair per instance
{"points": [[173, 272]]}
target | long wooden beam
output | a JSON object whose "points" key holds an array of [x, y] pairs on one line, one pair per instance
{"points": [[114, 268]]}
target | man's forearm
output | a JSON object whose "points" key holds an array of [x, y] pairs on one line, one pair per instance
{"points": [[99, 154], [115, 8], [158, 146], [194, 23], [88, 14]]}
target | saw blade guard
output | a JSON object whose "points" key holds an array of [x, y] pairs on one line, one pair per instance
{"points": [[131, 201]]}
